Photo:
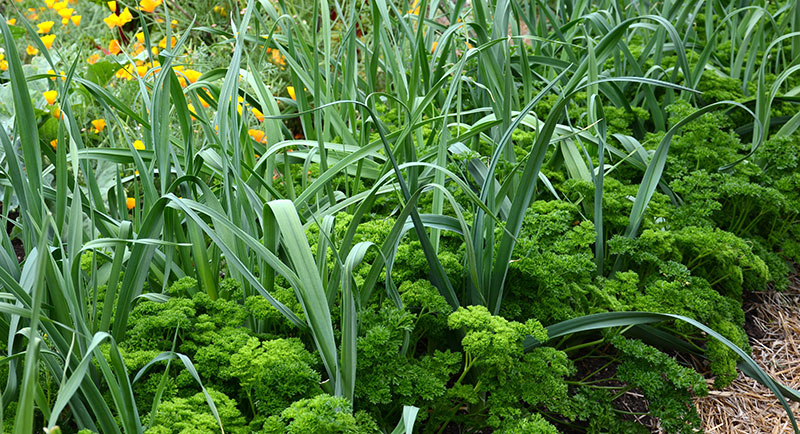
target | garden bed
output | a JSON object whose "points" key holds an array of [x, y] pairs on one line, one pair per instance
{"points": [[397, 217]]}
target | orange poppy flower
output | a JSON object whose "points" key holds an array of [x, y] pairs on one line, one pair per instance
{"points": [[50, 96], [44, 27], [258, 135], [99, 125]]}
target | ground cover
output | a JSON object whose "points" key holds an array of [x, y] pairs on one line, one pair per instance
{"points": [[358, 217]]}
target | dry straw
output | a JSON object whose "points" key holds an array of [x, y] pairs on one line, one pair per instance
{"points": [[746, 406]]}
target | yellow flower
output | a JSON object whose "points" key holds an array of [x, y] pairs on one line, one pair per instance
{"points": [[57, 113], [93, 59], [99, 125], [50, 96], [257, 113], [47, 40], [433, 47], [113, 47], [414, 8], [66, 13], [140, 37], [44, 27], [192, 75], [11, 21], [60, 5], [138, 145], [112, 5], [258, 135], [49, 3], [149, 5], [54, 143], [290, 89], [120, 20], [163, 42], [278, 58], [32, 51], [111, 20], [76, 19], [51, 72], [125, 17], [130, 203], [126, 72]]}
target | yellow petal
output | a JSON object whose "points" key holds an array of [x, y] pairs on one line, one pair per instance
{"points": [[192, 75], [111, 21], [99, 125], [47, 40], [113, 47], [44, 27], [125, 17], [257, 135], [50, 96]]}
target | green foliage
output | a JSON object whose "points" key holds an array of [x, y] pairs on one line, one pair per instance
{"points": [[718, 87], [202, 189], [274, 373], [706, 143], [550, 277], [511, 378], [192, 416], [533, 424], [389, 371], [726, 261], [667, 386], [617, 203], [323, 414], [596, 409]]}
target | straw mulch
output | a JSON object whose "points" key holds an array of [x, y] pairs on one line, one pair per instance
{"points": [[746, 406]]}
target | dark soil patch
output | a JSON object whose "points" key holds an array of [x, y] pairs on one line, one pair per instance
{"points": [[632, 401], [750, 300], [19, 249]]}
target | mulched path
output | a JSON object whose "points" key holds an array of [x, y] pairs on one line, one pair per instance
{"points": [[747, 407]]}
